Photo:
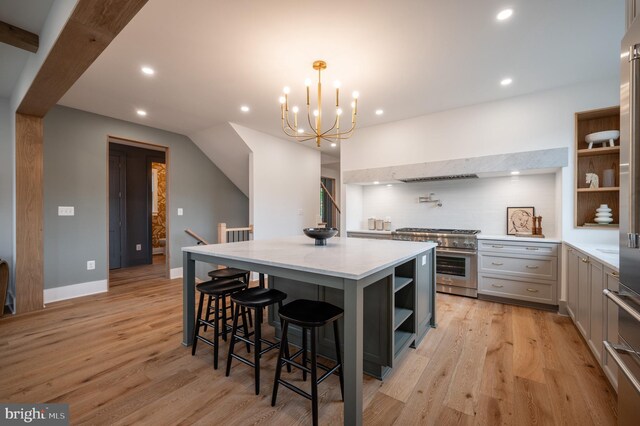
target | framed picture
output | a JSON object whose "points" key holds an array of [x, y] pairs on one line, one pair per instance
{"points": [[520, 220]]}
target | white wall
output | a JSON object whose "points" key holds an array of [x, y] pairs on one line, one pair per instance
{"points": [[284, 184], [468, 204], [531, 122]]}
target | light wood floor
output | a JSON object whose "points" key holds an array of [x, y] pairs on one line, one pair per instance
{"points": [[157, 269], [116, 358]]}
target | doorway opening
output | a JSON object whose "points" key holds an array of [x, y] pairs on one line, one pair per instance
{"points": [[328, 206], [138, 246]]}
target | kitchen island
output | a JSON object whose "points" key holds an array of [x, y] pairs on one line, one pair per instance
{"points": [[402, 270]]}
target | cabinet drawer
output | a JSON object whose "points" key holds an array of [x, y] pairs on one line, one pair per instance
{"points": [[517, 289], [368, 235], [526, 267], [538, 249]]}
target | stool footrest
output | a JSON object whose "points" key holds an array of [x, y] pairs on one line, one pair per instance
{"points": [[296, 364], [207, 341], [243, 360], [328, 373], [294, 388]]}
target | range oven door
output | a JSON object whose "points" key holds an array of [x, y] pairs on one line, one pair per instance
{"points": [[456, 272]]}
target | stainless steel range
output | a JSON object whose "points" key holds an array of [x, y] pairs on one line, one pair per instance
{"points": [[456, 257]]}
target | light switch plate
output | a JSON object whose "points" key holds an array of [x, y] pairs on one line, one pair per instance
{"points": [[66, 211], [91, 265], [180, 212], [138, 247], [424, 259]]}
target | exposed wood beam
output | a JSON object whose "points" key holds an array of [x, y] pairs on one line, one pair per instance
{"points": [[93, 24], [18, 37]]}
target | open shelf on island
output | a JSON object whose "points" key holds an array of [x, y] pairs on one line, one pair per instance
{"points": [[400, 282], [400, 315], [401, 340]]}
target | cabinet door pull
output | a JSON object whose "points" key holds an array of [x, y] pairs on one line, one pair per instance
{"points": [[533, 248], [497, 263], [531, 267], [615, 275], [532, 290], [496, 285], [494, 246], [584, 260]]}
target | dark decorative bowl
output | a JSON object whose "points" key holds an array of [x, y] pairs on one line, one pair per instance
{"points": [[320, 234]]}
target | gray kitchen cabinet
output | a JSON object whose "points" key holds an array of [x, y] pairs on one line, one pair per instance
{"points": [[584, 297], [518, 270], [611, 326], [595, 316], [573, 260]]}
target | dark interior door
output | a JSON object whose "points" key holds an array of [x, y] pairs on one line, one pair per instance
{"points": [[116, 208]]}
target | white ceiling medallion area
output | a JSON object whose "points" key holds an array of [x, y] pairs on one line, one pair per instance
{"points": [[409, 57]]}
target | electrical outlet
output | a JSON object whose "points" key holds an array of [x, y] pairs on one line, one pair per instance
{"points": [[91, 265], [138, 247], [300, 212], [66, 211], [180, 211]]}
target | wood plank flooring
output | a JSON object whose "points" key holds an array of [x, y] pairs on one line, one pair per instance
{"points": [[116, 358]]}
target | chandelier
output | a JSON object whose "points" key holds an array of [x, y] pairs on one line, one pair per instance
{"points": [[333, 134]]}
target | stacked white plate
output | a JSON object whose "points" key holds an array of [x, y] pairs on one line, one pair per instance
{"points": [[603, 214]]}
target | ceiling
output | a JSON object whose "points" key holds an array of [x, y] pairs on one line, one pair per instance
{"points": [[407, 57], [29, 15]]}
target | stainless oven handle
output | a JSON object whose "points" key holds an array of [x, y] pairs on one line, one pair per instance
{"points": [[615, 298], [634, 56], [613, 351], [449, 251]]}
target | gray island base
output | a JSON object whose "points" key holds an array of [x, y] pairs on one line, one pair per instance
{"points": [[386, 288]]}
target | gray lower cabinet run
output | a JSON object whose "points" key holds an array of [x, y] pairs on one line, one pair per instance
{"points": [[398, 312]]}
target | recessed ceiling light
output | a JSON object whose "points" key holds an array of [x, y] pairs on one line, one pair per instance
{"points": [[141, 112], [379, 112], [506, 81], [389, 184], [244, 108], [375, 182], [515, 172], [504, 14], [333, 145], [148, 70]]}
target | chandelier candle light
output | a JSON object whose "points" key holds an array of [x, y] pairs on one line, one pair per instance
{"points": [[333, 134]]}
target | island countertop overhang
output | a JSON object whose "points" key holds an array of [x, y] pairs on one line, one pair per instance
{"points": [[348, 258]]}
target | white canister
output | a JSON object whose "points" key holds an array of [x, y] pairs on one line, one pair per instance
{"points": [[387, 223], [372, 223], [379, 225]]}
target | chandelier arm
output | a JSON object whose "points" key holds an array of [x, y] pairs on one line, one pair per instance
{"points": [[289, 124], [309, 120], [284, 129], [335, 122]]}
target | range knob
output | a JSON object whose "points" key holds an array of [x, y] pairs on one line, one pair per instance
{"points": [[455, 244], [439, 242]]}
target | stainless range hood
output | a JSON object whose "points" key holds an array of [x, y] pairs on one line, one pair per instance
{"points": [[438, 178]]}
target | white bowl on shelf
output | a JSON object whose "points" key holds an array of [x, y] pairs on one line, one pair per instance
{"points": [[602, 137]]}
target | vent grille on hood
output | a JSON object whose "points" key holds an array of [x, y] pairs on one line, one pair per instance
{"points": [[430, 179]]}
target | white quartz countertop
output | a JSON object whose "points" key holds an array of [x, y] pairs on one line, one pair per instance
{"points": [[351, 258], [607, 254], [369, 231], [514, 238]]}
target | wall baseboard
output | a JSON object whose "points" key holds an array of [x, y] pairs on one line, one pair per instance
{"points": [[175, 273], [75, 290], [158, 250]]}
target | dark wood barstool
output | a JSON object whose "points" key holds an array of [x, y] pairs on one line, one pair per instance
{"points": [[309, 315], [228, 274], [217, 289], [256, 299]]}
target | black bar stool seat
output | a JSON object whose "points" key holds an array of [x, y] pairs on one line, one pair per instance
{"points": [[254, 298], [218, 290], [259, 297], [309, 315], [234, 273]]}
